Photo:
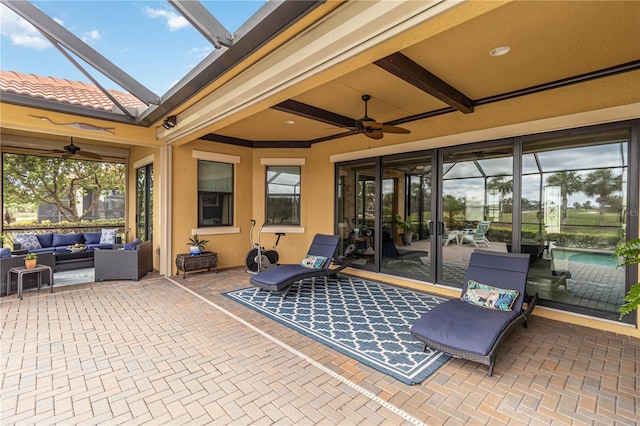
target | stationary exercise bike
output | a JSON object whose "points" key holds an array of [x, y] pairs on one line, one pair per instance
{"points": [[258, 258]]}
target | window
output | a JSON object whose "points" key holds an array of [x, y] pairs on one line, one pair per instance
{"points": [[283, 195], [215, 193]]}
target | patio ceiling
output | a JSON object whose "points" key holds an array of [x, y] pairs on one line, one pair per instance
{"points": [[553, 45], [421, 73]]}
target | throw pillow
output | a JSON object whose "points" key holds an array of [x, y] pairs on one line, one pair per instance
{"points": [[65, 240], [92, 237], [108, 236], [5, 252], [46, 240], [313, 262], [132, 245], [489, 297], [27, 241]]}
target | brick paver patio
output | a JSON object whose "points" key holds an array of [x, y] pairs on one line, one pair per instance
{"points": [[175, 351]]}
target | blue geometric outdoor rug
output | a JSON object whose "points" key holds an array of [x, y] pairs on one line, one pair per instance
{"points": [[365, 320]]}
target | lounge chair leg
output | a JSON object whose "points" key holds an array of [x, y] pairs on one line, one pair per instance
{"points": [[491, 365]]}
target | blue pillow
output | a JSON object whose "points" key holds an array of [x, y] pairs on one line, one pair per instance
{"points": [[46, 240], [132, 245], [60, 240], [5, 252], [92, 237]]}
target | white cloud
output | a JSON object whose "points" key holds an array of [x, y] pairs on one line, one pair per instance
{"points": [[200, 52], [91, 36], [20, 32], [174, 20]]}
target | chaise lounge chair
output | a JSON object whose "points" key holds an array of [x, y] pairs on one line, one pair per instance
{"points": [[315, 264], [479, 235], [474, 326]]}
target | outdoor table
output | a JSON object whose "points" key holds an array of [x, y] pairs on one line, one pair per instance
{"points": [[21, 271]]}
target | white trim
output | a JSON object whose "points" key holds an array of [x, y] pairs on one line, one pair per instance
{"points": [[270, 229], [218, 230], [143, 161], [214, 156], [282, 161], [581, 119]]}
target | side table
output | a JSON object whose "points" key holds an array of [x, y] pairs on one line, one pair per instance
{"points": [[185, 262], [21, 271]]}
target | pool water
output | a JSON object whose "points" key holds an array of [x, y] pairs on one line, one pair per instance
{"points": [[595, 259]]}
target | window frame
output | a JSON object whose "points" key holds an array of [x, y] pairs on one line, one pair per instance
{"points": [[219, 195], [298, 195]]}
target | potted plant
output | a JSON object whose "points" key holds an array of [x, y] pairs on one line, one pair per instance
{"points": [[30, 260], [629, 254], [196, 245], [405, 225]]}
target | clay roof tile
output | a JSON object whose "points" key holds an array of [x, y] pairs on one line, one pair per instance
{"points": [[65, 91]]}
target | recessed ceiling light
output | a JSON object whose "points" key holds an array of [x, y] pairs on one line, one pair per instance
{"points": [[289, 122], [499, 51]]}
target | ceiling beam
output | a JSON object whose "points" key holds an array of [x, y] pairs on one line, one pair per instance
{"points": [[314, 113], [409, 71]]}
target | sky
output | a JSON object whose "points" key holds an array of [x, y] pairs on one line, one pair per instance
{"points": [[149, 40]]}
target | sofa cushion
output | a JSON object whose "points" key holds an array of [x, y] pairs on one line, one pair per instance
{"points": [[27, 241], [92, 237], [5, 252], [65, 240], [46, 240], [92, 247], [108, 236], [44, 250]]}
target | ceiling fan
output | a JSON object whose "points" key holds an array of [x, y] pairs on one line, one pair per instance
{"points": [[70, 150], [372, 129]]}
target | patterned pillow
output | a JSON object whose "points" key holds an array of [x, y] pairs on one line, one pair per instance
{"points": [[313, 262], [108, 236], [27, 241], [489, 297]]}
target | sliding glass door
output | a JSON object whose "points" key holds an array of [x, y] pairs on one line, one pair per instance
{"points": [[564, 198], [406, 214], [475, 208]]}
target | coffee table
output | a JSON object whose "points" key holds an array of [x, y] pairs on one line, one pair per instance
{"points": [[66, 260]]}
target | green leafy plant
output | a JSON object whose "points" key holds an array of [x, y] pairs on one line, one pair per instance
{"points": [[403, 224], [196, 241], [30, 256], [630, 251]]}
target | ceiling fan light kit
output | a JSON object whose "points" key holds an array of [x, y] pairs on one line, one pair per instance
{"points": [[372, 129], [71, 150]]}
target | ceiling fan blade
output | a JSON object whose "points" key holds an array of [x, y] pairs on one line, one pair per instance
{"points": [[393, 129], [374, 134], [90, 155]]}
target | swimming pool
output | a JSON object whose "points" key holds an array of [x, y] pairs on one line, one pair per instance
{"points": [[595, 259], [562, 255]]}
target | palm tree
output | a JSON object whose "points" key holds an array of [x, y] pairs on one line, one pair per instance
{"points": [[602, 183], [504, 187], [569, 182]]}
